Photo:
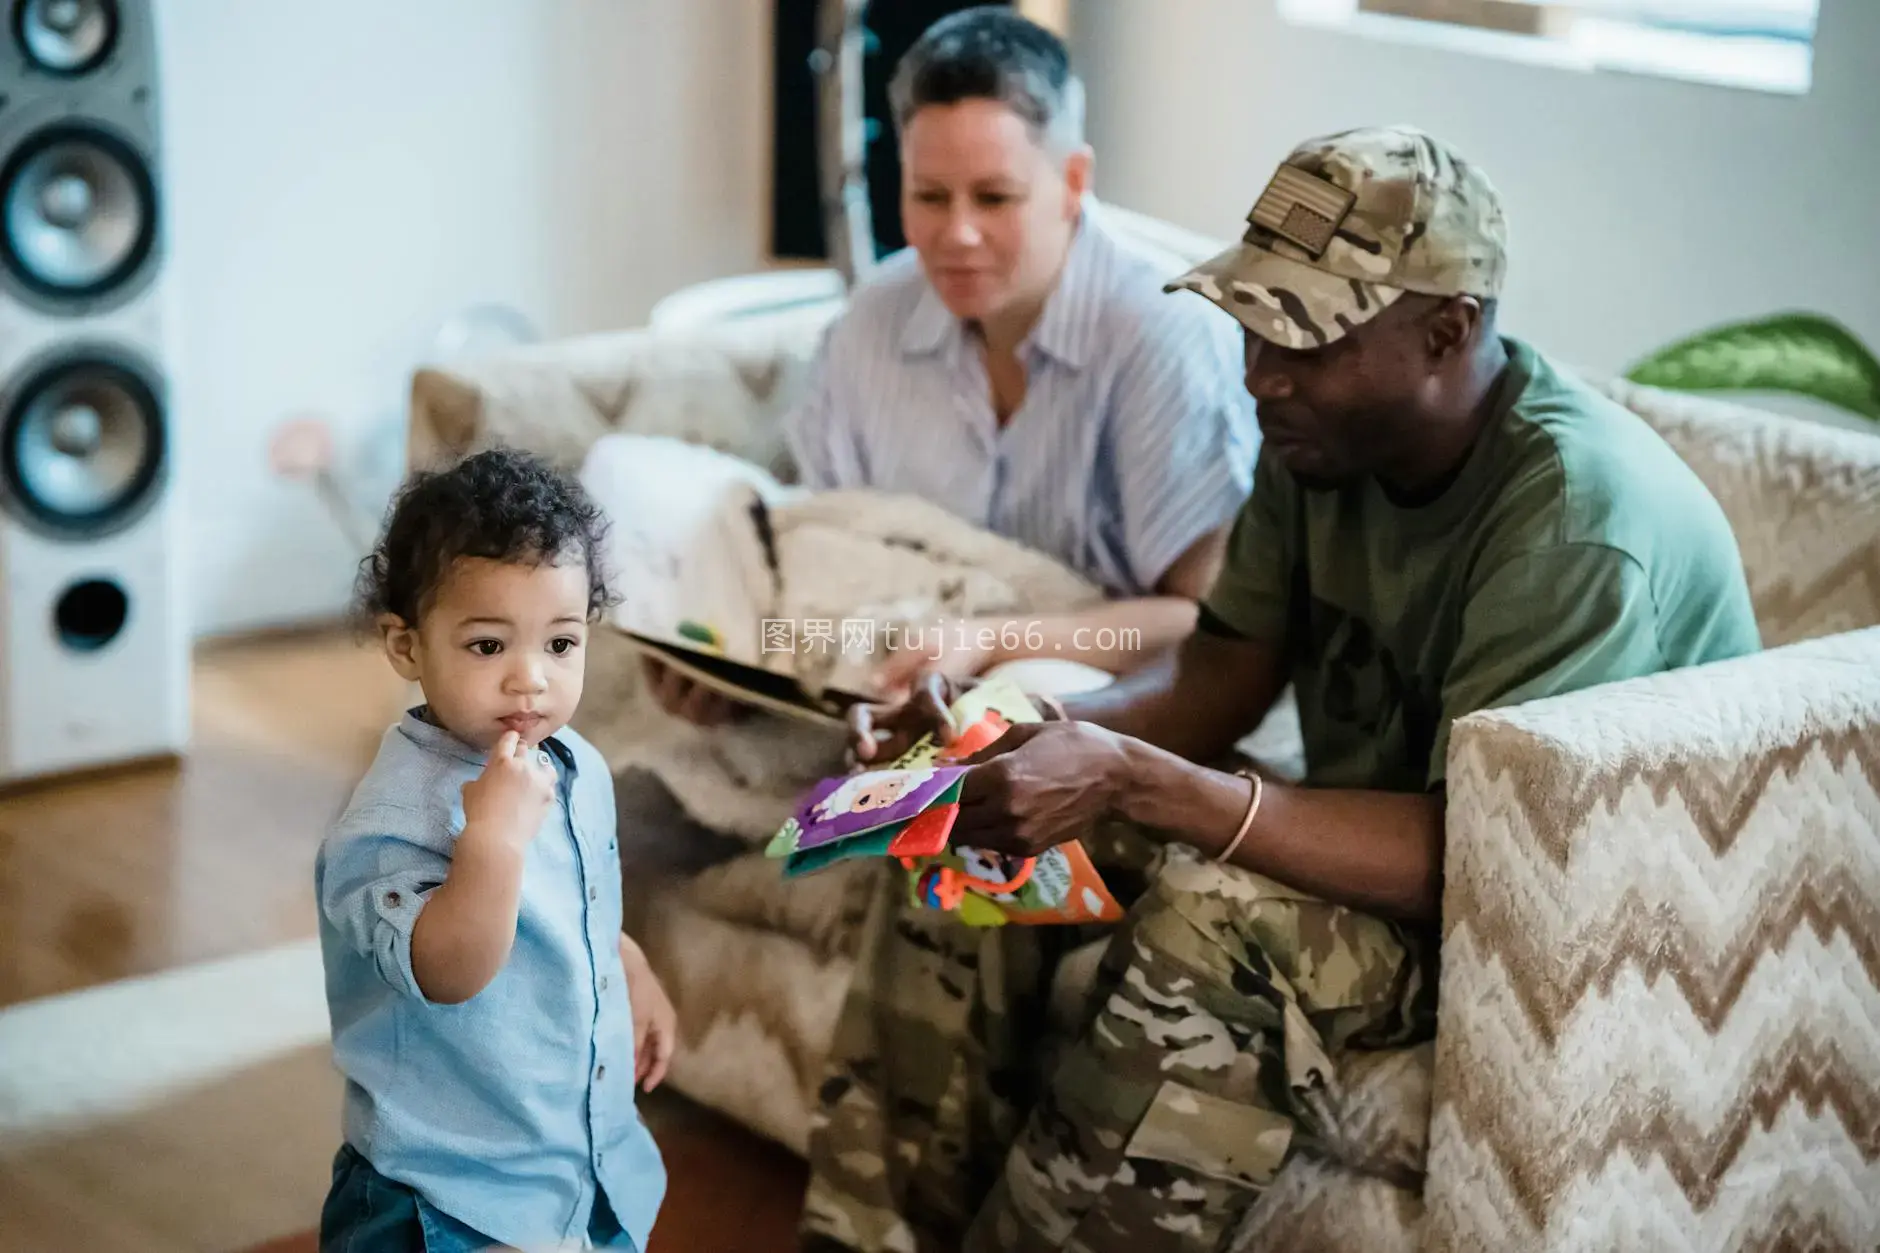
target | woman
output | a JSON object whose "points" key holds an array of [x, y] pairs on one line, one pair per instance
{"points": [[1019, 366]]}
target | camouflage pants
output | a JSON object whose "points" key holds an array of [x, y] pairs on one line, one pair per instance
{"points": [[1199, 1066]]}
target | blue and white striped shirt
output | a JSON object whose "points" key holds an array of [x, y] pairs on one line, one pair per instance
{"points": [[1136, 436]]}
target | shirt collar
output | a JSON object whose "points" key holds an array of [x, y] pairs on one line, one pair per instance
{"points": [[417, 727], [930, 326], [1066, 327]]}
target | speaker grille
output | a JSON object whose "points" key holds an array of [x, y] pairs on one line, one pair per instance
{"points": [[84, 445], [90, 614], [78, 212], [65, 36]]}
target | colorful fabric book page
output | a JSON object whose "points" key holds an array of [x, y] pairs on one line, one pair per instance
{"points": [[927, 834], [841, 808], [840, 811], [868, 844], [1061, 887], [907, 810], [921, 836]]}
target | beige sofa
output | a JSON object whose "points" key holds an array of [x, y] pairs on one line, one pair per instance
{"points": [[1660, 1003]]}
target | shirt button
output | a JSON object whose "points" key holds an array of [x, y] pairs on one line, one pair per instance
{"points": [[594, 894], [600, 1072], [393, 899], [603, 983]]}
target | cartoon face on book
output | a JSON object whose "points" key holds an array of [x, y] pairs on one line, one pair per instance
{"points": [[875, 789], [988, 867]]}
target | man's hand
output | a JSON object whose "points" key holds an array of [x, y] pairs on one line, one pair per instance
{"points": [[682, 698], [655, 1022], [1039, 785], [884, 732], [505, 804]]}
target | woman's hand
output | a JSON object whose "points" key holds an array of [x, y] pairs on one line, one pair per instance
{"points": [[682, 698], [956, 650], [1039, 785], [655, 1022], [882, 732]]}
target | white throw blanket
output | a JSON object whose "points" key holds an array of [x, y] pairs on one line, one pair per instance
{"points": [[684, 541]]}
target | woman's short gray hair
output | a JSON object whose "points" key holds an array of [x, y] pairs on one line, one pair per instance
{"points": [[992, 53]]}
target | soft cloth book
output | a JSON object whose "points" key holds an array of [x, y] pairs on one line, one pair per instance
{"points": [[905, 810], [877, 813]]}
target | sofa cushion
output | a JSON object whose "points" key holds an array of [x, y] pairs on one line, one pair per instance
{"points": [[726, 389], [1381, 1121], [1316, 1206], [1803, 500]]}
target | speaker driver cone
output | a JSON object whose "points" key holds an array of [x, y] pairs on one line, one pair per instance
{"points": [[65, 36], [84, 444], [78, 211]]}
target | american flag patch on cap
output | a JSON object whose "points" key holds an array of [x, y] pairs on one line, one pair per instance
{"points": [[1302, 209]]}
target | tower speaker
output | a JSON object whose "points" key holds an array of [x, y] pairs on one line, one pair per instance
{"points": [[94, 650]]}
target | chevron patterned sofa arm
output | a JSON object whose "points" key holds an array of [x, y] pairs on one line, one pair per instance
{"points": [[1660, 1007]]}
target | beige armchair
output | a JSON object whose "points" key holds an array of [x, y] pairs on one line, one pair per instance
{"points": [[1660, 1007], [1660, 1004]]}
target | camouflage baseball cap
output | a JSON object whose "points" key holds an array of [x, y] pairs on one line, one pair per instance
{"points": [[1350, 223]]}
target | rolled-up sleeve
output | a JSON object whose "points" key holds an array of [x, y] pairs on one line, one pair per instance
{"points": [[375, 879], [1564, 618], [1183, 446]]}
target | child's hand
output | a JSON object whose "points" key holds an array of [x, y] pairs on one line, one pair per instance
{"points": [[655, 1022], [510, 798]]}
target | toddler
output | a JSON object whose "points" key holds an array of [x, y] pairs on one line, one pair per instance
{"points": [[489, 1016]]}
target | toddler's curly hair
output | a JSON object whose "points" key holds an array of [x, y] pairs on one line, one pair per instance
{"points": [[504, 505]]}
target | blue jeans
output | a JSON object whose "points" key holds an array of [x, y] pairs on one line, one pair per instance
{"points": [[367, 1213]]}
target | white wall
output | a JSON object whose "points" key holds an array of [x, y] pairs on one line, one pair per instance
{"points": [[342, 176], [1640, 209]]}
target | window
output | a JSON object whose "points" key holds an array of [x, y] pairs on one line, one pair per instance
{"points": [[1765, 45]]}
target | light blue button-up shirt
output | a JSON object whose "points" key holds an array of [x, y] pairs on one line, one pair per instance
{"points": [[1136, 436], [510, 1110]]}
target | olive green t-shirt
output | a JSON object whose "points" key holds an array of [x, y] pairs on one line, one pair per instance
{"points": [[1573, 548]]}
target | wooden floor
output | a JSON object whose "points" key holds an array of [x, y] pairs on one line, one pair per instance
{"points": [[143, 869], [727, 1192], [163, 867]]}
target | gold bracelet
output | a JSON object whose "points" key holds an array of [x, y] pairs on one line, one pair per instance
{"points": [[1246, 823]]}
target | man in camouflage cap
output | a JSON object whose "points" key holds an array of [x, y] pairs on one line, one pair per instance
{"points": [[1442, 521], [1350, 224]]}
